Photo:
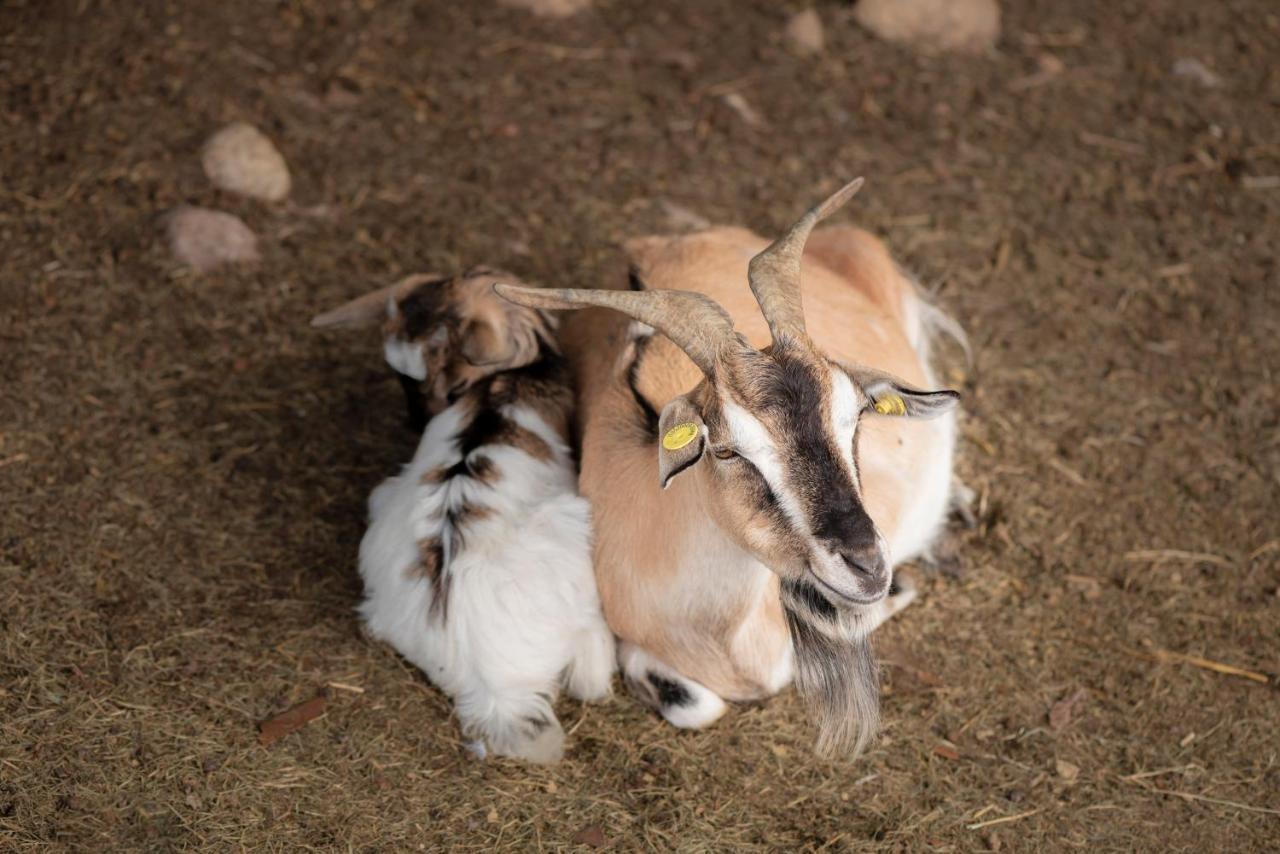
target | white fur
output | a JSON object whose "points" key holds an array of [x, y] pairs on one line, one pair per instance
{"points": [[845, 403], [925, 516], [522, 614], [753, 441], [405, 357]]}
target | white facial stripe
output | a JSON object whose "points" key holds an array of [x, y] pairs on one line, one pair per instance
{"points": [[845, 403], [753, 441]]}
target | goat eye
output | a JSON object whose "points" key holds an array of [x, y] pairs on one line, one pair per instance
{"points": [[725, 453]]}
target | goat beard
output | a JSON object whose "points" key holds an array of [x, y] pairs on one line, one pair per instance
{"points": [[837, 677]]}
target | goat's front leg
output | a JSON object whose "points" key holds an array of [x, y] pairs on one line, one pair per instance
{"points": [[683, 702]]}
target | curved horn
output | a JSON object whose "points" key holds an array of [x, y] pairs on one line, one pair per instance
{"points": [[695, 323], [774, 274]]}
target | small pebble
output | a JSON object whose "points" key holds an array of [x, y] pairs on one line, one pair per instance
{"points": [[804, 33], [1194, 69], [967, 26], [240, 159], [204, 239], [745, 111], [549, 8]]}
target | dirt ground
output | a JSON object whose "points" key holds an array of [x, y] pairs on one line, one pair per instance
{"points": [[184, 463]]}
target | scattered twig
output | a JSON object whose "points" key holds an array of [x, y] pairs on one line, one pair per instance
{"points": [[1004, 819], [1219, 801], [980, 813], [1182, 170], [1173, 270], [1068, 472], [1142, 775], [1207, 664], [16, 458], [722, 88], [946, 751], [343, 686], [1262, 549], [1152, 555], [555, 51], [736, 102]]}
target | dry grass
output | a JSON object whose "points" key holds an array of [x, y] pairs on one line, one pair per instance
{"points": [[183, 462]]}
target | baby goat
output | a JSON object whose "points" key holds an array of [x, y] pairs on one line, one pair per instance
{"points": [[477, 560]]}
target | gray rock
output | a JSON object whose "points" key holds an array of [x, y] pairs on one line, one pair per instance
{"points": [[205, 239]]}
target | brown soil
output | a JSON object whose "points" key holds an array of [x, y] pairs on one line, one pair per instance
{"points": [[183, 462]]}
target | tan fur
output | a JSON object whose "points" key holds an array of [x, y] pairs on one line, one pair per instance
{"points": [[486, 335], [655, 569]]}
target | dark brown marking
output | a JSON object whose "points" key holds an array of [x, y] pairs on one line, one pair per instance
{"points": [[527, 441], [466, 514], [648, 412], [481, 468], [430, 566], [430, 556]]}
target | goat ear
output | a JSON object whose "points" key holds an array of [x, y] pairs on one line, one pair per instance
{"points": [[888, 395], [500, 336], [371, 308], [484, 344], [364, 310], [682, 438]]}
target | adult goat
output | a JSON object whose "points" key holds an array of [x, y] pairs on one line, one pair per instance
{"points": [[769, 555]]}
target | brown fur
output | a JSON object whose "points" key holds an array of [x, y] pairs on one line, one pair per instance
{"points": [[855, 311], [430, 567], [469, 333]]}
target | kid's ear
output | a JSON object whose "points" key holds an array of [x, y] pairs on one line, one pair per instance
{"points": [[682, 438], [365, 310], [372, 308], [888, 395], [498, 334]]}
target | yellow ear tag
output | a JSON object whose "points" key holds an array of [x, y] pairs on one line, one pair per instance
{"points": [[891, 404], [680, 435]]}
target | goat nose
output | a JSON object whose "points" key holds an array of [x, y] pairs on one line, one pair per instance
{"points": [[867, 563]]}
